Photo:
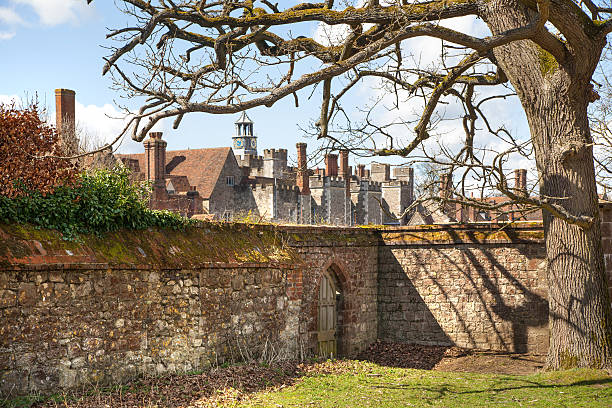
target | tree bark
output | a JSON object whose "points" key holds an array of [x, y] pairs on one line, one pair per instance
{"points": [[555, 98], [579, 305]]}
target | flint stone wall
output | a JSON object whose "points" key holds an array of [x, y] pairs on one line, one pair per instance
{"points": [[105, 311]]}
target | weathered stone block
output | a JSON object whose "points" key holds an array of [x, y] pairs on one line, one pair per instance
{"points": [[27, 294]]}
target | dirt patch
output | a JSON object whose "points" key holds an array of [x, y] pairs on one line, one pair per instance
{"points": [[451, 359], [492, 363], [403, 355]]}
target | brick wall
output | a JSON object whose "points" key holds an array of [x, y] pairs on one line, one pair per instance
{"points": [[352, 261]]}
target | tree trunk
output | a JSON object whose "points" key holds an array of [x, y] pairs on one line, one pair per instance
{"points": [[555, 98], [580, 319]]}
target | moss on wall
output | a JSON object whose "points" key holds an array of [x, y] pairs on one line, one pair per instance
{"points": [[231, 243], [225, 243]]}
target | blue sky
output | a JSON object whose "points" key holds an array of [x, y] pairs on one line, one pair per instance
{"points": [[63, 48], [50, 44]]}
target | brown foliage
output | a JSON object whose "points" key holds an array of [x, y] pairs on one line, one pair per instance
{"points": [[26, 142]]}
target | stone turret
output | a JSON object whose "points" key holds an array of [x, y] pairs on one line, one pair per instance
{"points": [[274, 162], [381, 172]]}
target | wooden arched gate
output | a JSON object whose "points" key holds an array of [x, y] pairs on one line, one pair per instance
{"points": [[327, 332]]}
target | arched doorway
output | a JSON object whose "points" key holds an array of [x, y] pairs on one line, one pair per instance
{"points": [[329, 318]]}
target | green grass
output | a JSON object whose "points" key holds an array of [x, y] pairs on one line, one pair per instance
{"points": [[347, 383], [369, 385]]}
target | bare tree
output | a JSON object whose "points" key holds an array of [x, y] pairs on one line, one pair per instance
{"points": [[228, 56]]}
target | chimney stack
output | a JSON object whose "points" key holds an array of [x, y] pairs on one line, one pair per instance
{"points": [[361, 171], [520, 181], [331, 165], [65, 119], [303, 182], [446, 186], [344, 167], [345, 171], [155, 156]]}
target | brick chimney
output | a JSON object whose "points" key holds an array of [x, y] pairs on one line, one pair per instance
{"points": [[361, 171], [446, 186], [155, 157], [345, 171], [344, 160], [520, 181], [302, 180], [65, 119], [331, 165]]}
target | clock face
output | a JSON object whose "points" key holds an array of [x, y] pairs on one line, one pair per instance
{"points": [[238, 143], [253, 143]]}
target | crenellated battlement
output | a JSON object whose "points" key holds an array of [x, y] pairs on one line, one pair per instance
{"points": [[396, 183], [250, 160], [318, 181], [279, 154], [366, 185], [336, 181], [281, 187]]}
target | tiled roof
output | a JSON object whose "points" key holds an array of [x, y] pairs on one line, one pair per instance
{"points": [[201, 166], [180, 183]]}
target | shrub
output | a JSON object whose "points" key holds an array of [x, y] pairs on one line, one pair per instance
{"points": [[97, 202], [26, 144]]}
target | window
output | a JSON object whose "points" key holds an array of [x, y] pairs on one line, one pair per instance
{"points": [[229, 180]]}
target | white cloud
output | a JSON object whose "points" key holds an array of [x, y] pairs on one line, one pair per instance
{"points": [[98, 124], [102, 124], [4, 35], [9, 16], [327, 35], [54, 12], [10, 99]]}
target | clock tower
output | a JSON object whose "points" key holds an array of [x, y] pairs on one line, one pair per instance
{"points": [[244, 141]]}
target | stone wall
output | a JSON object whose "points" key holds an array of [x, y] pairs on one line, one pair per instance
{"points": [[106, 310], [68, 326], [606, 240], [480, 287]]}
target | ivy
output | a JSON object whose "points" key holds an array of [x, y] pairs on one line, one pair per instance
{"points": [[98, 202]]}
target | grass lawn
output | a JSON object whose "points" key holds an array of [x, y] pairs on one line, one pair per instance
{"points": [[362, 384], [342, 383]]}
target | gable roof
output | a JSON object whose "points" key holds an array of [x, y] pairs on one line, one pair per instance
{"points": [[201, 166]]}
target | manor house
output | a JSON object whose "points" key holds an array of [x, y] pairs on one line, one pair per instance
{"points": [[229, 183]]}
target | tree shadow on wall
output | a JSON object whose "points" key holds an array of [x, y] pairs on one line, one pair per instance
{"points": [[458, 286]]}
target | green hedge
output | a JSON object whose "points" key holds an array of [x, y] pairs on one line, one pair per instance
{"points": [[102, 201]]}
